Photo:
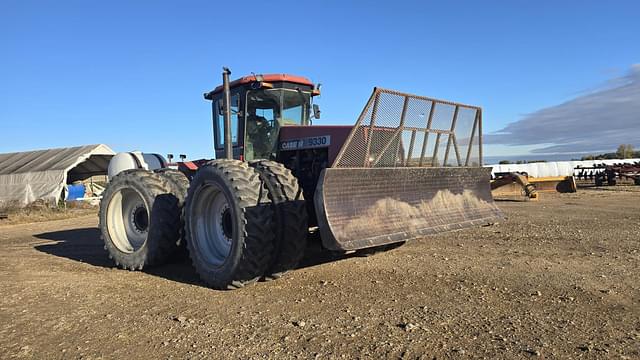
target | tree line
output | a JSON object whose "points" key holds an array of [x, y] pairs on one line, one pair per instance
{"points": [[625, 151]]}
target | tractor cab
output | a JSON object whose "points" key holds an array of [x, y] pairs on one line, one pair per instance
{"points": [[260, 105]]}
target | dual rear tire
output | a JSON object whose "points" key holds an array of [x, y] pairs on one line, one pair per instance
{"points": [[139, 219]]}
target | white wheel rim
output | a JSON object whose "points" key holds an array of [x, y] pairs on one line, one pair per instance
{"points": [[212, 225], [128, 220]]}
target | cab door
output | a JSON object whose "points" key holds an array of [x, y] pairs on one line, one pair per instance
{"points": [[236, 126]]}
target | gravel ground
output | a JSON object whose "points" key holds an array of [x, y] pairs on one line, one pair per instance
{"points": [[558, 279]]}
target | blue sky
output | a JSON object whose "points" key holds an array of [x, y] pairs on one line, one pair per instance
{"points": [[131, 74]]}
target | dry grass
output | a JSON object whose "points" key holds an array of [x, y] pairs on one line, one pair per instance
{"points": [[38, 212]]}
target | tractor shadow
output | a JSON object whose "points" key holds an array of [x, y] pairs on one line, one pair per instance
{"points": [[316, 255], [508, 200], [84, 245]]}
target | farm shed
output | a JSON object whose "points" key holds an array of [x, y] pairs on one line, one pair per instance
{"points": [[29, 176]]}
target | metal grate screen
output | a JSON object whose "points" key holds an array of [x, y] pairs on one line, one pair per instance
{"points": [[404, 130]]}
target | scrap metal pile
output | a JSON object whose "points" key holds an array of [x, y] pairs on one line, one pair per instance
{"points": [[601, 173]]}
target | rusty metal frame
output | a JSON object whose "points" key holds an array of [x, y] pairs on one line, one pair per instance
{"points": [[369, 116]]}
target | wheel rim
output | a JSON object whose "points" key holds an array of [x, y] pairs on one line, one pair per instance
{"points": [[128, 220], [212, 225]]}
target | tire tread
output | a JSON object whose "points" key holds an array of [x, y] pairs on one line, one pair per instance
{"points": [[290, 216]]}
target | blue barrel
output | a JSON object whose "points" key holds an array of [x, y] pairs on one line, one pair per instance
{"points": [[75, 192]]}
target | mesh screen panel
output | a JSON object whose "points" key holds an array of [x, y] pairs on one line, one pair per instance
{"points": [[403, 130]]}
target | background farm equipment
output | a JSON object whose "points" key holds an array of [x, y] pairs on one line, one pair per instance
{"points": [[517, 184], [602, 174]]}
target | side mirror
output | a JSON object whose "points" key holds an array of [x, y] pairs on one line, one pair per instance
{"points": [[316, 111]]}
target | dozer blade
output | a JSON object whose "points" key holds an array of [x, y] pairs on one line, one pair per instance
{"points": [[411, 166], [364, 207]]}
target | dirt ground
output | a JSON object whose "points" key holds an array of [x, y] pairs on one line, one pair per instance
{"points": [[559, 279]]}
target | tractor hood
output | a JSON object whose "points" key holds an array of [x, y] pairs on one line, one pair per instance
{"points": [[311, 137]]}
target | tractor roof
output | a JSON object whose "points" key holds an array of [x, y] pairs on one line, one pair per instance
{"points": [[266, 78]]}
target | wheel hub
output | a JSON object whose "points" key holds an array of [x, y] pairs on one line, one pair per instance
{"points": [[226, 223], [140, 218]]}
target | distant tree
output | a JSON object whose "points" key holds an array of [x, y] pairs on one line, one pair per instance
{"points": [[630, 150], [504, 162], [625, 151]]}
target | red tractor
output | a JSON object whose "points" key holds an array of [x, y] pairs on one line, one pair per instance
{"points": [[409, 167]]}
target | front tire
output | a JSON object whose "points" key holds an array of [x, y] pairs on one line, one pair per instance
{"points": [[228, 226]]}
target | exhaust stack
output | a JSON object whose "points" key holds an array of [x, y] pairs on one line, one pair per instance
{"points": [[228, 146]]}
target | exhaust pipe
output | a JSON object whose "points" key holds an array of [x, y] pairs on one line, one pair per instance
{"points": [[228, 146]]}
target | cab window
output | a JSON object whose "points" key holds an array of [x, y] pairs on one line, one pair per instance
{"points": [[295, 109], [219, 110]]}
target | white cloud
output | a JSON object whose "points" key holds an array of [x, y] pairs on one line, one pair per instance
{"points": [[598, 121]]}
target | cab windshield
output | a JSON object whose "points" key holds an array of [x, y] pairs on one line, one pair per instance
{"points": [[267, 111]]}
